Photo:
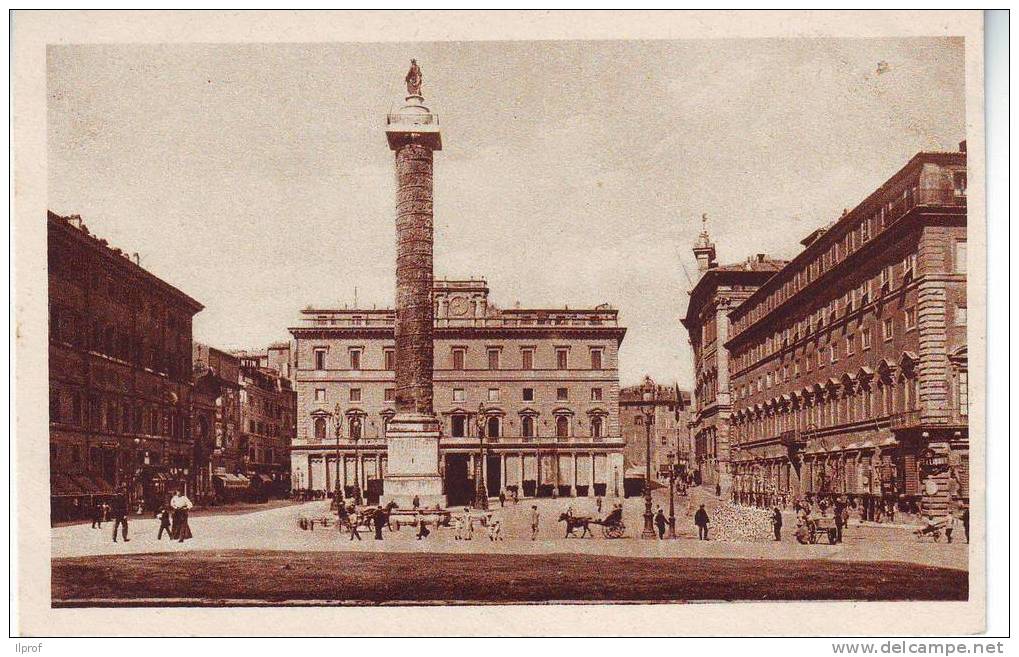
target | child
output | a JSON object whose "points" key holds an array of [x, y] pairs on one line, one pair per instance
{"points": [[164, 522]]}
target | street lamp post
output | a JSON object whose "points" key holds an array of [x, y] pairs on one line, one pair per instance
{"points": [[337, 493], [354, 438], [134, 470], [480, 489], [648, 408], [672, 491]]}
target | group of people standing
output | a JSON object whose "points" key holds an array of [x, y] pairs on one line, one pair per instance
{"points": [[173, 518]]}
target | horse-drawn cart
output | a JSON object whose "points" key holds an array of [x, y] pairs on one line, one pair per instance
{"points": [[611, 525], [811, 530]]}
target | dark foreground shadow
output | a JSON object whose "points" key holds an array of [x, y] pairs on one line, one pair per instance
{"points": [[239, 577]]}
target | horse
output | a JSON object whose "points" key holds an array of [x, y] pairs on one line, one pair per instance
{"points": [[576, 522]]}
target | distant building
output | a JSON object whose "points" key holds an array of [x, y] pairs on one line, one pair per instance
{"points": [[120, 374], [848, 366], [670, 433], [719, 289], [548, 381], [217, 421], [268, 407]]}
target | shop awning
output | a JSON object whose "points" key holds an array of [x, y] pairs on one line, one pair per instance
{"points": [[62, 485], [93, 485], [232, 480]]}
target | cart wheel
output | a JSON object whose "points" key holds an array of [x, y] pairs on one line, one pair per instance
{"points": [[831, 536], [606, 531], [615, 531], [937, 537]]}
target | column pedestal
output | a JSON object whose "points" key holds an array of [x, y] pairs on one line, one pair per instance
{"points": [[413, 462]]}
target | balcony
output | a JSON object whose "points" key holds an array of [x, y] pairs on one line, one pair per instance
{"points": [[924, 197], [414, 119], [928, 419], [793, 439]]}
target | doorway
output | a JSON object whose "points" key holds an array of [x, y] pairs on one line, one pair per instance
{"points": [[494, 476], [459, 486]]}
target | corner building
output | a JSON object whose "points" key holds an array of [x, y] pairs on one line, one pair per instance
{"points": [[120, 375], [548, 380], [849, 366], [719, 289]]}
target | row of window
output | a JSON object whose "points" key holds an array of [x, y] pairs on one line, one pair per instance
{"points": [[838, 406], [459, 395], [458, 356], [822, 357], [66, 326], [852, 240], [460, 426], [115, 416]]}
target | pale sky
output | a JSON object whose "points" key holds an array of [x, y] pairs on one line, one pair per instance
{"points": [[257, 178]]}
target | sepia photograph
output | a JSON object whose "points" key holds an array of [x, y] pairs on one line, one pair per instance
{"points": [[453, 322]]}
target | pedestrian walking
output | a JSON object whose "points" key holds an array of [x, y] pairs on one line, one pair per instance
{"points": [[535, 517], [776, 523], [844, 515], [97, 515], [379, 520], [422, 530], [118, 509], [516, 495], [965, 522], [416, 502], [840, 516], [718, 490], [660, 523], [502, 498], [701, 520], [164, 522], [597, 504], [468, 528], [354, 521], [494, 528], [950, 522], [180, 506]]}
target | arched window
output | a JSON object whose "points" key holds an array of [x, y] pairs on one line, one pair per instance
{"points": [[320, 428], [562, 426], [597, 426], [527, 426], [492, 430]]}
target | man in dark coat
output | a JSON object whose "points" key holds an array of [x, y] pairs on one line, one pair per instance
{"points": [[660, 522], [701, 520], [840, 515], [965, 522], [97, 515], [379, 520], [164, 522], [119, 509], [776, 522]]}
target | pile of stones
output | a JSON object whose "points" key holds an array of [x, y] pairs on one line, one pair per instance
{"points": [[741, 524]]}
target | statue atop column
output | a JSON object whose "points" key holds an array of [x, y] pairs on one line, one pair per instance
{"points": [[413, 79]]}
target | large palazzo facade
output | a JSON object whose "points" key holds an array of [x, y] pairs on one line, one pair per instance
{"points": [[545, 382], [848, 367]]}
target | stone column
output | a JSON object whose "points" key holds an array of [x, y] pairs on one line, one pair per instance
{"points": [[414, 432]]}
